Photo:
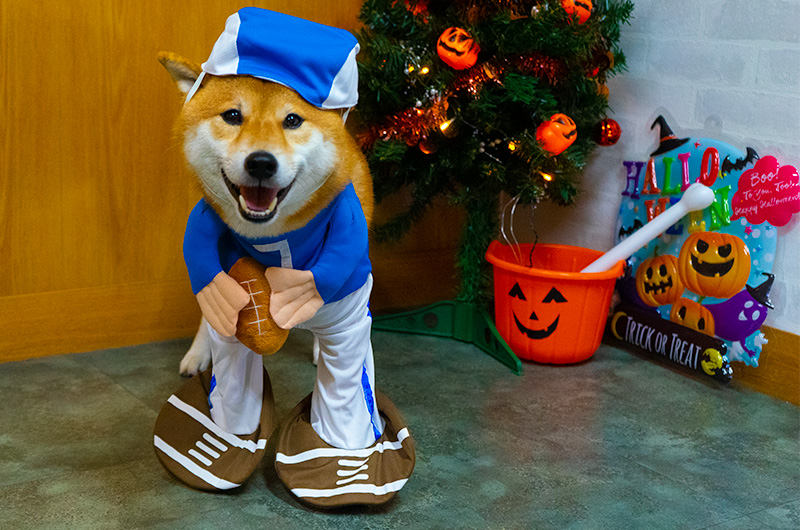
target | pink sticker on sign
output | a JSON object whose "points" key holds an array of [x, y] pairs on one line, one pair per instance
{"points": [[768, 192]]}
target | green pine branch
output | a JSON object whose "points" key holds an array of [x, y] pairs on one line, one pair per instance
{"points": [[495, 149]]}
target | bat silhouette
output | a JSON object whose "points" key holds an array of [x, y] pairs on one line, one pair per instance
{"points": [[728, 166], [625, 232]]}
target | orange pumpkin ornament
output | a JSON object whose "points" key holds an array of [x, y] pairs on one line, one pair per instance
{"points": [[714, 264], [557, 133], [457, 49], [580, 9], [658, 282], [692, 315]]}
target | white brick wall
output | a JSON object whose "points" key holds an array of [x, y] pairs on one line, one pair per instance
{"points": [[723, 69]]}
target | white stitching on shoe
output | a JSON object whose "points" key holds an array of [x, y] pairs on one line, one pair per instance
{"points": [[397, 485], [206, 422], [193, 468], [334, 452]]}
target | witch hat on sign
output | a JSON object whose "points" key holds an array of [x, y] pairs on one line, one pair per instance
{"points": [[761, 292], [668, 140]]}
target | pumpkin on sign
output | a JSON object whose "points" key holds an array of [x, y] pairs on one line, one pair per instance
{"points": [[658, 282], [692, 315], [714, 264]]}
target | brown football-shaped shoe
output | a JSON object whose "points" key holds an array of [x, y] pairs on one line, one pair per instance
{"points": [[256, 329], [327, 477], [200, 453]]}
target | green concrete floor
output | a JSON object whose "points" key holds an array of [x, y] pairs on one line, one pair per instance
{"points": [[616, 442]]}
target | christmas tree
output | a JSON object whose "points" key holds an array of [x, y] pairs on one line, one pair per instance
{"points": [[471, 98]]}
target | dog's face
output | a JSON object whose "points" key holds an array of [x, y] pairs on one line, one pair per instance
{"points": [[264, 155]]}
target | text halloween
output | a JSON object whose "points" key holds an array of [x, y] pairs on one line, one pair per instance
{"points": [[673, 186]]}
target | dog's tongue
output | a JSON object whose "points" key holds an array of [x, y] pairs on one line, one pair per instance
{"points": [[258, 198]]}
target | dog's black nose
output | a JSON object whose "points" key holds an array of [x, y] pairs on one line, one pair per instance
{"points": [[261, 165]]}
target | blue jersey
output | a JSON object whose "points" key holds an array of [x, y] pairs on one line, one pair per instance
{"points": [[333, 246]]}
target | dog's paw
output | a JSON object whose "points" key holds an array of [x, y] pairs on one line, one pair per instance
{"points": [[195, 360]]}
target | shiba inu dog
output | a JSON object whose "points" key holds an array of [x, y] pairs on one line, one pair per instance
{"points": [[287, 189], [268, 160]]}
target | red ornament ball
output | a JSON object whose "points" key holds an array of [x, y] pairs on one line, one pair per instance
{"points": [[608, 132]]}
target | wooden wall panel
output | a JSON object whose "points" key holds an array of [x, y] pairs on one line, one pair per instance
{"points": [[778, 370], [94, 194]]}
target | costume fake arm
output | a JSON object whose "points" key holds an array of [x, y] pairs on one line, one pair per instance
{"points": [[294, 297], [297, 295], [220, 297]]}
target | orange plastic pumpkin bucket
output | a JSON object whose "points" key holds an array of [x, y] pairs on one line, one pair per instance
{"points": [[550, 312]]}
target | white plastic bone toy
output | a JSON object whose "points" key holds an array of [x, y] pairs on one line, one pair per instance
{"points": [[696, 197]]}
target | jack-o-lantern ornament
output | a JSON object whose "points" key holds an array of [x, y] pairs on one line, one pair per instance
{"points": [[658, 282], [457, 49], [557, 133], [714, 264], [578, 9], [692, 315]]}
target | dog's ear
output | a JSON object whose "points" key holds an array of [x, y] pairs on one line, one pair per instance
{"points": [[183, 71]]}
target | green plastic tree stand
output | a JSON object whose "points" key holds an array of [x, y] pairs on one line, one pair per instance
{"points": [[453, 320]]}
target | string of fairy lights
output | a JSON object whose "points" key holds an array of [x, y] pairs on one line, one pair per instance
{"points": [[459, 50]]}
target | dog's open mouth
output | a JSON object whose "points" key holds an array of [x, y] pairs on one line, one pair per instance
{"points": [[257, 203]]}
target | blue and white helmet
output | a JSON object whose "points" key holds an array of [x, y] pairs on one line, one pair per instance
{"points": [[316, 61]]}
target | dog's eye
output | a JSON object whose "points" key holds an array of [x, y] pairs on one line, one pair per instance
{"points": [[292, 121], [232, 117]]}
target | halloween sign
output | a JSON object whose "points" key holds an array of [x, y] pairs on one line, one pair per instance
{"points": [[711, 272]]}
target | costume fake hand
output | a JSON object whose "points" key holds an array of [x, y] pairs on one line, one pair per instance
{"points": [[220, 301], [294, 297]]}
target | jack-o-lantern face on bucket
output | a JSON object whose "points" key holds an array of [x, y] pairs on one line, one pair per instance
{"points": [[557, 133], [658, 282], [714, 264], [692, 315], [457, 49], [537, 326]]}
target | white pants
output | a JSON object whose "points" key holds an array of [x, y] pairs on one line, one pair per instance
{"points": [[343, 410]]}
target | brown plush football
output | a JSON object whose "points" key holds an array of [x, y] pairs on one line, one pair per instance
{"points": [[256, 329]]}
